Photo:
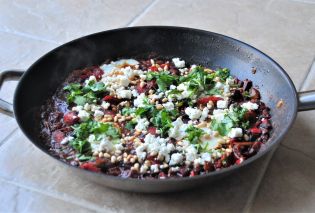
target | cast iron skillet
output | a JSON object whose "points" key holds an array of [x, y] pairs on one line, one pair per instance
{"points": [[195, 46]]}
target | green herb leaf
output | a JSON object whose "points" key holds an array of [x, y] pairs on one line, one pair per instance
{"points": [[163, 79], [194, 134], [128, 111], [130, 125], [223, 74]]}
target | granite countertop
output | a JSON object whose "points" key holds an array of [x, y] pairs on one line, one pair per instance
{"points": [[283, 181]]}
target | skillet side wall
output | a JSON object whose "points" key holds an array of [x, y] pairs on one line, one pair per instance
{"points": [[195, 46]]}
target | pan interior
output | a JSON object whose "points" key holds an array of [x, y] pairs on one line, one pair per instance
{"points": [[194, 46]]}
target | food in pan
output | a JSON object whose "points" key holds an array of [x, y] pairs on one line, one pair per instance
{"points": [[155, 119]]}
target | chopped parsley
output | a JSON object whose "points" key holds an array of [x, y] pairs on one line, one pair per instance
{"points": [[81, 95], [194, 134], [234, 118], [163, 79]]}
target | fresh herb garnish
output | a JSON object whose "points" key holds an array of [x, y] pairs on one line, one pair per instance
{"points": [[223, 74], [234, 118], [81, 95], [194, 134], [130, 125], [163, 79], [83, 130]]}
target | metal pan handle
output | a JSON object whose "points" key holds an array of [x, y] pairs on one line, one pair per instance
{"points": [[306, 100], [8, 75]]}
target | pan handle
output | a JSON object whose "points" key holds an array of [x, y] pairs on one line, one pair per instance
{"points": [[8, 75], [306, 100]]}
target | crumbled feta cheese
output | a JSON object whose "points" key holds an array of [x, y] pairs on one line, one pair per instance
{"points": [[176, 158], [193, 66], [204, 114], [218, 114], [250, 106], [98, 114], [119, 146], [91, 138], [140, 151], [178, 129], [77, 108], [154, 168], [168, 106], [219, 85], [172, 87], [229, 81], [106, 145], [191, 153], [83, 115], [182, 87], [193, 113], [66, 140], [138, 102], [205, 157], [178, 63], [222, 104], [124, 94], [142, 124], [235, 133], [94, 107], [87, 107], [134, 93], [105, 105], [90, 79]]}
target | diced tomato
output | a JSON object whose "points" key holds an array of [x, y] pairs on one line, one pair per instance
{"points": [[153, 68], [239, 161], [98, 72], [205, 100], [86, 73], [90, 166], [192, 174], [255, 131], [70, 118], [152, 130], [162, 175], [111, 99], [58, 136]]}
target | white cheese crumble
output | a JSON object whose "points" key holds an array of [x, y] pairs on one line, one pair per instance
{"points": [[178, 130], [140, 151], [98, 114], [169, 106], [105, 105], [191, 153], [154, 168], [219, 85], [178, 63], [222, 104], [250, 106], [106, 145], [124, 94], [235, 133], [218, 114], [176, 158], [193, 113], [138, 102], [66, 140], [204, 114], [142, 124], [83, 115]]}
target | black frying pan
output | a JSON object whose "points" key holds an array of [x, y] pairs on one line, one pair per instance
{"points": [[40, 81]]}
